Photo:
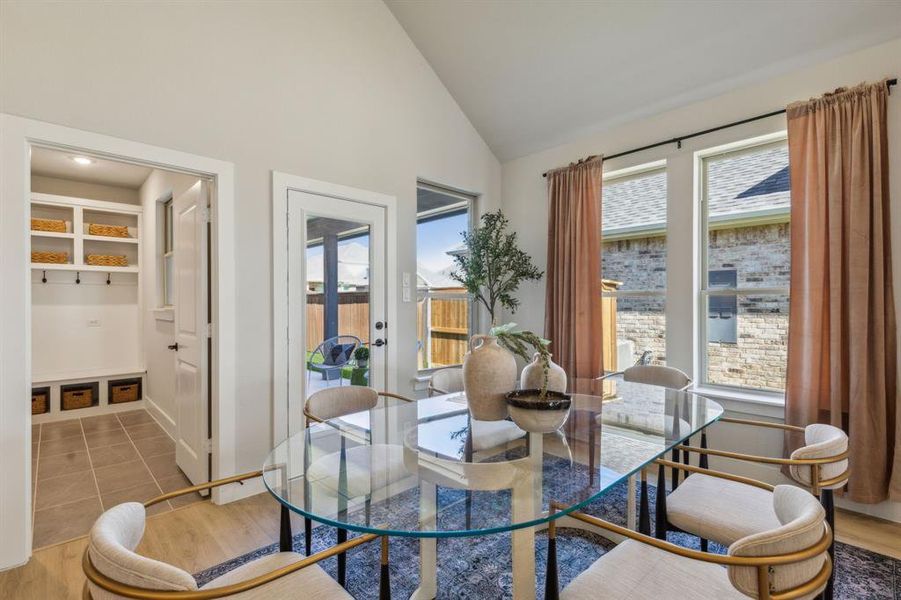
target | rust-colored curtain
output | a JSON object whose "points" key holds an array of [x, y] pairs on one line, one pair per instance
{"points": [[572, 318], [842, 358]]}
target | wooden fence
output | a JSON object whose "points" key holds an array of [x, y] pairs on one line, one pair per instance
{"points": [[353, 317], [448, 318], [448, 322]]}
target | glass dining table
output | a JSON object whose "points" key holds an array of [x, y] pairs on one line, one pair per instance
{"points": [[427, 470]]}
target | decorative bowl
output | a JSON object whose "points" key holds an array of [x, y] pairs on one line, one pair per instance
{"points": [[537, 415]]}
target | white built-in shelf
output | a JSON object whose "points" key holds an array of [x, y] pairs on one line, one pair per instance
{"points": [[109, 238], [79, 212], [38, 378], [53, 234], [85, 268]]}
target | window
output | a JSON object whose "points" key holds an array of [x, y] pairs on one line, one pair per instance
{"points": [[444, 311], [722, 321], [633, 266], [745, 267], [168, 254]]}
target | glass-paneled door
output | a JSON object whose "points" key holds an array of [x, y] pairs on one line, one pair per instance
{"points": [[336, 297]]}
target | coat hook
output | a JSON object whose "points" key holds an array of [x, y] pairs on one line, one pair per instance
{"points": [[107, 278], [77, 276], [44, 277]]}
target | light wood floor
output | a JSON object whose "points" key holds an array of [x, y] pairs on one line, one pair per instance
{"points": [[202, 535]]}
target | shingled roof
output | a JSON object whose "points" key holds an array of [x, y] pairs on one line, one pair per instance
{"points": [[741, 185]]}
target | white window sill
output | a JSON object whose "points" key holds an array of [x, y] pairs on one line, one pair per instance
{"points": [[166, 313], [758, 404]]}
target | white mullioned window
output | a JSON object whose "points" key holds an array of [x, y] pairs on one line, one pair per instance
{"points": [[633, 264], [745, 265], [444, 310]]}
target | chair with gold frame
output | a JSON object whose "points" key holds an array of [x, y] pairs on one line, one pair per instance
{"points": [[446, 381], [703, 506], [786, 562], [115, 572], [333, 403]]}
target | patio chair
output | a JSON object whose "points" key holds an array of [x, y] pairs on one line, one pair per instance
{"points": [[336, 353]]}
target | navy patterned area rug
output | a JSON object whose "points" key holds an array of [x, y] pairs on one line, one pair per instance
{"points": [[482, 570]]}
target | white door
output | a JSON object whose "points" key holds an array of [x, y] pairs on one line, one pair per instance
{"points": [[189, 229], [336, 296]]}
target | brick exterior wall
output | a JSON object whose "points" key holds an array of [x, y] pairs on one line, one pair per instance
{"points": [[760, 255]]}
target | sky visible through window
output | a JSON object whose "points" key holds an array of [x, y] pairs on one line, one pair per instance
{"points": [[435, 238]]}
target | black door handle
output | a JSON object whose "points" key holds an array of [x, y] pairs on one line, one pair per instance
{"points": [[379, 343], [173, 346]]}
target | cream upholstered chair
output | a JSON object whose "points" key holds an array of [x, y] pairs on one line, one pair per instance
{"points": [[446, 381], [332, 403], [788, 560], [705, 506], [661, 375], [115, 571]]}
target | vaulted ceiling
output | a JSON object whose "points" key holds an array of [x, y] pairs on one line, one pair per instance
{"points": [[532, 74]]}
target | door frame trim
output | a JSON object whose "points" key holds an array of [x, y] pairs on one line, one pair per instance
{"points": [[282, 184], [17, 136]]}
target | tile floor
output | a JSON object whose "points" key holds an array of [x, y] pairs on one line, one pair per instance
{"points": [[81, 467]]}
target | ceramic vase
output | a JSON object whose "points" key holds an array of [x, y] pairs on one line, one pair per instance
{"points": [[532, 377], [489, 372]]}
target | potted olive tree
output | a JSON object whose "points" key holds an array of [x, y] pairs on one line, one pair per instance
{"points": [[491, 269]]}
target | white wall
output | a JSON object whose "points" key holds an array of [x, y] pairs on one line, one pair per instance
{"points": [[83, 189], [65, 340], [62, 340], [328, 90], [159, 329], [525, 196]]}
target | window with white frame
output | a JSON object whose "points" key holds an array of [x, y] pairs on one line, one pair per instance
{"points": [[633, 265], [745, 266], [167, 254], [444, 310]]}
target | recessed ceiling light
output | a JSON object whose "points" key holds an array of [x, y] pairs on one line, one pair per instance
{"points": [[82, 160]]}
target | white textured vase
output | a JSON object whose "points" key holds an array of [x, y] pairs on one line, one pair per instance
{"points": [[489, 372], [532, 377]]}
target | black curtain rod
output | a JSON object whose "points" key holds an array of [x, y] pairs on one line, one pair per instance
{"points": [[678, 140]]}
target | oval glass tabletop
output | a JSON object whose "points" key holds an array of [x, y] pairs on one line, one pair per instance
{"points": [[426, 469]]}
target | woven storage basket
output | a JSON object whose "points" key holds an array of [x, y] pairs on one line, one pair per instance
{"points": [[40, 401], [108, 230], [54, 225], [123, 393], [107, 260], [80, 398], [58, 258]]}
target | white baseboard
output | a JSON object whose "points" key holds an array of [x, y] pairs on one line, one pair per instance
{"points": [[236, 491], [164, 420], [91, 411]]}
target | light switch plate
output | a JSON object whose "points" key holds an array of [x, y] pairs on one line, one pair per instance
{"points": [[407, 280], [407, 294]]}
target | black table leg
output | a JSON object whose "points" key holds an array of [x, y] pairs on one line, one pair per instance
{"points": [[342, 559], [660, 524], [644, 511], [828, 501], [702, 461], [591, 443], [308, 535], [285, 539]]}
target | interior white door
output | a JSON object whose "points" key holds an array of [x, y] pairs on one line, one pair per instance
{"points": [[189, 230], [336, 288]]}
